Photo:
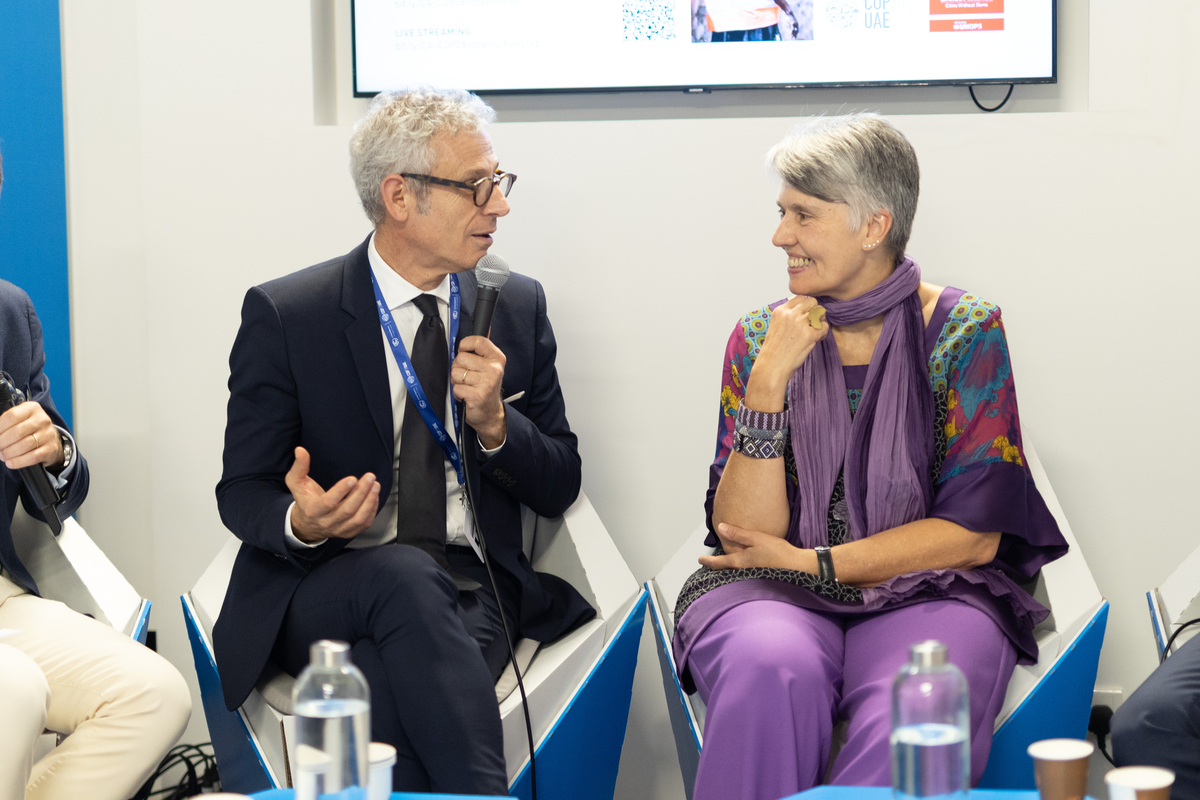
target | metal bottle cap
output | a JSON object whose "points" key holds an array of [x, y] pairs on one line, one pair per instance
{"points": [[329, 653], [930, 653]]}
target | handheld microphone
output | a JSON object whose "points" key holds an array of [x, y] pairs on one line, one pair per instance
{"points": [[491, 273], [35, 478]]}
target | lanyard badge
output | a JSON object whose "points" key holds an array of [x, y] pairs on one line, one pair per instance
{"points": [[413, 384]]}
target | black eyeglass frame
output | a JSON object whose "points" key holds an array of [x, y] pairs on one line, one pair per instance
{"points": [[485, 185]]}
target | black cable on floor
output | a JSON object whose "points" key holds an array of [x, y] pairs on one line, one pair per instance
{"points": [[1100, 724], [200, 772]]}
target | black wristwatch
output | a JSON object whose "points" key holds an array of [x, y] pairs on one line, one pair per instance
{"points": [[825, 564], [68, 452]]}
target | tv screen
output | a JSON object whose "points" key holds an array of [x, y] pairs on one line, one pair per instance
{"points": [[525, 46]]}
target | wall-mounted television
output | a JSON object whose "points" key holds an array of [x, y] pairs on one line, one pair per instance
{"points": [[531, 46]]}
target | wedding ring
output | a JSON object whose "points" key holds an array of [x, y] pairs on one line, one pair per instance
{"points": [[36, 443]]}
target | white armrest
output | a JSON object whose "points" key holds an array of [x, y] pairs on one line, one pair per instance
{"points": [[74, 571]]}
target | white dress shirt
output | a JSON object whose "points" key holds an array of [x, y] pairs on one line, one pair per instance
{"points": [[399, 294]]}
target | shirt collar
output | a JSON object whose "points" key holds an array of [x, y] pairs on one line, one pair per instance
{"points": [[395, 289]]}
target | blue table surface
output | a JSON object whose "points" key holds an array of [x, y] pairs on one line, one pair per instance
{"points": [[819, 793], [885, 793], [288, 794]]}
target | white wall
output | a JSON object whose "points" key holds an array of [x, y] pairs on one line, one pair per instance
{"points": [[196, 168]]}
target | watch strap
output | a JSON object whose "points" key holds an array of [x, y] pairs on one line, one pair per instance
{"points": [[825, 564]]}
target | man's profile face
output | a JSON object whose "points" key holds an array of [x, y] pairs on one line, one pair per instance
{"points": [[456, 233]]}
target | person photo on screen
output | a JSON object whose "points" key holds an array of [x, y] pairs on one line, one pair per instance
{"points": [[751, 20], [869, 490]]}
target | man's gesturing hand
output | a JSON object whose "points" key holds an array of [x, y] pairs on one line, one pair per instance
{"points": [[28, 437], [343, 512], [476, 377]]}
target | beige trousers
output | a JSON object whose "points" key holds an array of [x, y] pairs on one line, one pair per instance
{"points": [[123, 705]]}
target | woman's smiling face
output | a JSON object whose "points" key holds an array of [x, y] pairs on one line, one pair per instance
{"points": [[825, 256]]}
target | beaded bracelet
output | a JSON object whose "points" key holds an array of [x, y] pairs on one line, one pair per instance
{"points": [[760, 434]]}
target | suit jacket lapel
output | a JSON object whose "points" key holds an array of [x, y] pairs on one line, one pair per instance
{"points": [[366, 344]]}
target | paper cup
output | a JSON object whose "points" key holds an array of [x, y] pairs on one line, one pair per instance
{"points": [[383, 758], [1139, 783], [1060, 768]]}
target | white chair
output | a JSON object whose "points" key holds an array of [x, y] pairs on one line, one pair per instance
{"points": [[1175, 602], [578, 687], [1049, 699], [70, 568]]}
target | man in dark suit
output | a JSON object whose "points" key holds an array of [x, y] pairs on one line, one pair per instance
{"points": [[1159, 725], [355, 521], [122, 703]]}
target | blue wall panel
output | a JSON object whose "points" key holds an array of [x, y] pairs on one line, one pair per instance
{"points": [[33, 201]]}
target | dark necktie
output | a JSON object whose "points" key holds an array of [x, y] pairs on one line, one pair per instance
{"points": [[421, 491]]}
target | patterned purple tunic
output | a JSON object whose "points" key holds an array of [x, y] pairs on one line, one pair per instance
{"points": [[980, 477]]}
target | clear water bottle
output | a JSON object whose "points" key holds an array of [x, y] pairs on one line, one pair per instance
{"points": [[931, 740], [332, 705]]}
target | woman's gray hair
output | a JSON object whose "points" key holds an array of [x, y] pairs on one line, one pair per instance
{"points": [[396, 135], [859, 160]]}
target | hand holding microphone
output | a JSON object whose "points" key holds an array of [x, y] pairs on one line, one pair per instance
{"points": [[477, 374], [28, 440]]}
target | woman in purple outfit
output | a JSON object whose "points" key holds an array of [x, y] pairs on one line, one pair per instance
{"points": [[869, 489]]}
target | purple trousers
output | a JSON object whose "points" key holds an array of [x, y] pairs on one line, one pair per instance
{"points": [[776, 678]]}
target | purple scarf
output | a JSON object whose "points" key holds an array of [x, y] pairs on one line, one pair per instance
{"points": [[887, 449]]}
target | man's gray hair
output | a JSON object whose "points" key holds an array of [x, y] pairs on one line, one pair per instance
{"points": [[396, 135], [859, 160]]}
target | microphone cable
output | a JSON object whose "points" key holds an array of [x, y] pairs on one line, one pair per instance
{"points": [[512, 653], [1167, 647]]}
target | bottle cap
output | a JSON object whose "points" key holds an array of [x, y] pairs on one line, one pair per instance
{"points": [[329, 653], [930, 653]]}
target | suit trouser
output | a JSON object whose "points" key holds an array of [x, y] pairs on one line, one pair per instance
{"points": [[121, 703], [1159, 725], [427, 654]]}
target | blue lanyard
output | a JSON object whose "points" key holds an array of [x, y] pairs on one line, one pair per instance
{"points": [[415, 393]]}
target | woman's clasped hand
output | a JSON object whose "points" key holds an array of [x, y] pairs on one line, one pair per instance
{"points": [[756, 549]]}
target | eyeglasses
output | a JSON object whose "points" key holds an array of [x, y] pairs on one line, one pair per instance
{"points": [[481, 188]]}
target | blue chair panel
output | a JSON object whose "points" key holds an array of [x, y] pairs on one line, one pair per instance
{"points": [[1058, 707], [242, 768], [141, 628], [579, 757]]}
